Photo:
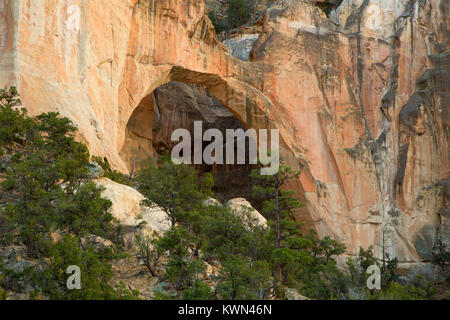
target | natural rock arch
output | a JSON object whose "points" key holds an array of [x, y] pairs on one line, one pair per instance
{"points": [[320, 82], [184, 47], [246, 103]]}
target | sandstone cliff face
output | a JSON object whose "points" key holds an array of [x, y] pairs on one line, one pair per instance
{"points": [[361, 98]]}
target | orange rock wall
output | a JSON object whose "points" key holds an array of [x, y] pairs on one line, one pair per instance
{"points": [[360, 98]]}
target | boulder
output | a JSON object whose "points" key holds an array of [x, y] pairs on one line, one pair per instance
{"points": [[15, 260], [292, 294], [241, 46], [212, 202], [335, 89], [166, 288], [241, 205], [97, 241], [95, 170], [135, 217]]}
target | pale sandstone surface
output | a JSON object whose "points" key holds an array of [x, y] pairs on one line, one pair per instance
{"points": [[242, 206], [135, 217], [361, 100], [292, 294]]}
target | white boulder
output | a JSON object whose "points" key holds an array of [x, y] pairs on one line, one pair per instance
{"points": [[128, 209], [241, 205]]}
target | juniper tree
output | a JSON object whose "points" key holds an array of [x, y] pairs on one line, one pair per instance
{"points": [[149, 251], [280, 208], [300, 260], [96, 273], [45, 188], [182, 270], [237, 12], [440, 255], [175, 188]]}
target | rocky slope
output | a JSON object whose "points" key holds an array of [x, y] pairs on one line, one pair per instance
{"points": [[360, 97]]}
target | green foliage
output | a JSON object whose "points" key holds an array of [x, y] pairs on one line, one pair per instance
{"points": [[96, 273], [298, 260], [237, 13], [178, 190], [45, 188], [149, 252], [388, 272], [114, 175], [175, 188], [181, 269], [356, 268], [3, 293], [13, 124], [255, 262], [419, 290], [329, 6], [46, 185], [85, 212], [38, 169], [218, 26], [200, 291], [366, 258], [160, 295], [215, 230], [316, 269], [440, 255], [234, 279], [242, 279], [6, 229], [391, 287], [248, 253], [227, 233], [242, 247]]}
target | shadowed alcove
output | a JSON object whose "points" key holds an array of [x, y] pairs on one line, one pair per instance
{"points": [[176, 105]]}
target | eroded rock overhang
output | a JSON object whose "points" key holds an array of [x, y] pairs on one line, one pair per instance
{"points": [[320, 80]]}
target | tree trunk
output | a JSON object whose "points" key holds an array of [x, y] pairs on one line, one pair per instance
{"points": [[277, 224]]}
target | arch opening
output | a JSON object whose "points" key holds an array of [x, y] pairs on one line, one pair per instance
{"points": [[176, 105]]}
